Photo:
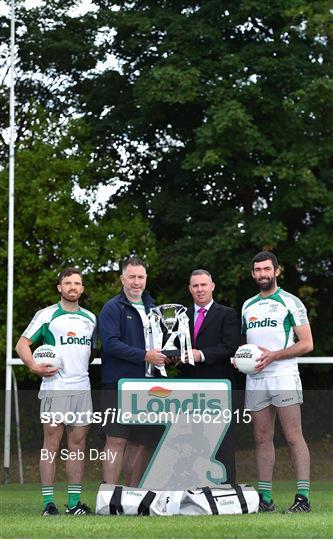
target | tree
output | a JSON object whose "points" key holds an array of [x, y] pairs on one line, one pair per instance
{"points": [[216, 119], [53, 230], [225, 112]]}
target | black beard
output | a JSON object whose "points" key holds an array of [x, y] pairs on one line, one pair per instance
{"points": [[266, 285], [69, 299]]}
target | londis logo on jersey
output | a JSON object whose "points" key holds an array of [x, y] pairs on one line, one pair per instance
{"points": [[72, 339], [254, 322], [160, 402]]}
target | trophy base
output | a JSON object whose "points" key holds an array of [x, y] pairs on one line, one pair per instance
{"points": [[171, 352]]}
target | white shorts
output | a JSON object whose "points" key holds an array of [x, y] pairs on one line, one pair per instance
{"points": [[72, 410], [279, 391]]}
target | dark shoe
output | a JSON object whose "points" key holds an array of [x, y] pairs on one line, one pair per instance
{"points": [[50, 510], [266, 506], [301, 504], [78, 510]]}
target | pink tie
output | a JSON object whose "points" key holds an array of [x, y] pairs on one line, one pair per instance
{"points": [[198, 322]]}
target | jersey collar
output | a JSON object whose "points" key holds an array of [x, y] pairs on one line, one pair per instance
{"points": [[271, 296]]}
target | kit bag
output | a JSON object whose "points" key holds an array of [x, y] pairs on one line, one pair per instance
{"points": [[226, 499]]}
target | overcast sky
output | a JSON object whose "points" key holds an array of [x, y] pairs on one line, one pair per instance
{"points": [[103, 192], [85, 5]]}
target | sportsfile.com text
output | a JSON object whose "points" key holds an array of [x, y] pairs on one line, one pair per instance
{"points": [[195, 416]]}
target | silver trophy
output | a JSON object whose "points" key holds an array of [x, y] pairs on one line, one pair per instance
{"points": [[166, 323]]}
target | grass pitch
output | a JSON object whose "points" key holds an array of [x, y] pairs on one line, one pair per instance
{"points": [[20, 508]]}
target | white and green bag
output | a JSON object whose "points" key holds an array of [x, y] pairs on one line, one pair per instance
{"points": [[226, 499]]}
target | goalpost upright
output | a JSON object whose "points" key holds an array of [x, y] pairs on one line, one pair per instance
{"points": [[10, 263]]}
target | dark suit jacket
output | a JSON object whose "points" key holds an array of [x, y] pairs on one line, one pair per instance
{"points": [[218, 339]]}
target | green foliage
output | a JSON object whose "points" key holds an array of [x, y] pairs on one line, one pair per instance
{"points": [[214, 119], [232, 104], [53, 230]]}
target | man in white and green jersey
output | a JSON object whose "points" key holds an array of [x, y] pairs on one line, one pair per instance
{"points": [[277, 322], [64, 393]]}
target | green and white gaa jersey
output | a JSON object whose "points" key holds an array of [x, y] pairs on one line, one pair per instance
{"points": [[74, 335], [269, 322], [140, 307]]}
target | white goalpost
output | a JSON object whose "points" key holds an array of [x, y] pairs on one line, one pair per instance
{"points": [[10, 263]]}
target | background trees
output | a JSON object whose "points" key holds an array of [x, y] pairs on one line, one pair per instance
{"points": [[213, 122]]}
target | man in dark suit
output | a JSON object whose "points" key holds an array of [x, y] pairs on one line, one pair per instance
{"points": [[215, 335]]}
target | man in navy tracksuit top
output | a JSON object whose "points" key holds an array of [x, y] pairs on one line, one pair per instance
{"points": [[124, 355]]}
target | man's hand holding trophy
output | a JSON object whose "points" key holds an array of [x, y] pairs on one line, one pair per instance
{"points": [[165, 324]]}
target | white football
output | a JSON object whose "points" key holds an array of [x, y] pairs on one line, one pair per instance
{"points": [[246, 357], [48, 354]]}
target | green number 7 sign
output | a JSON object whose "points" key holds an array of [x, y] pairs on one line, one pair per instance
{"points": [[196, 415]]}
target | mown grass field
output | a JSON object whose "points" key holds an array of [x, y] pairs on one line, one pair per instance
{"points": [[20, 508]]}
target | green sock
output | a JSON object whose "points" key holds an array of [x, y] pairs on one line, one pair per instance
{"points": [[74, 494], [265, 489], [303, 488], [48, 496]]}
